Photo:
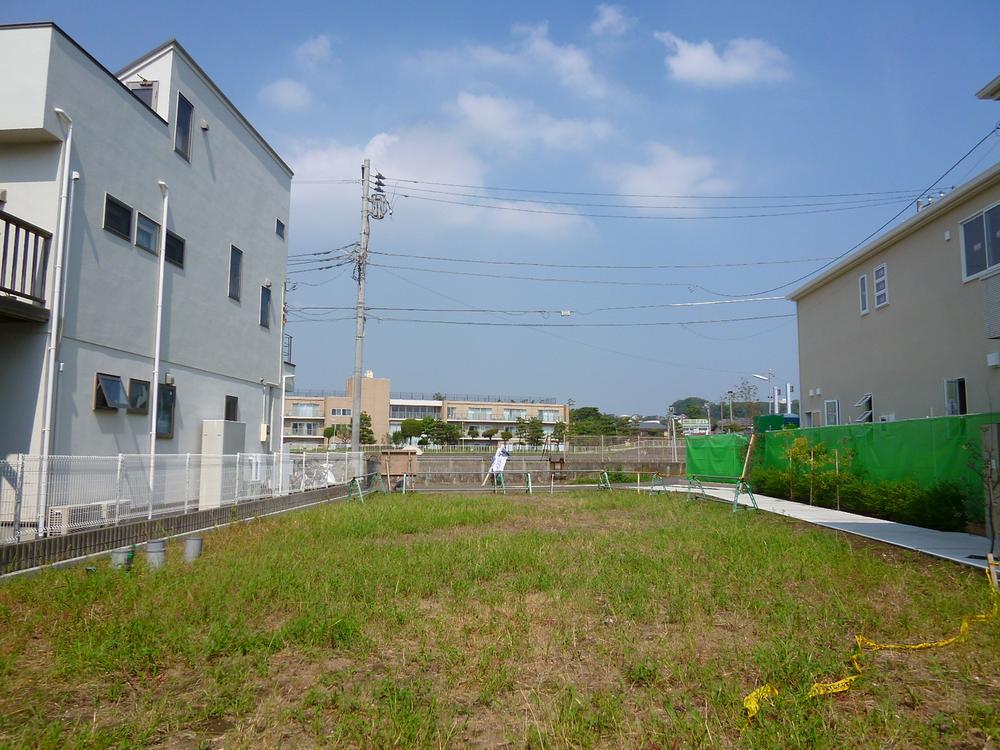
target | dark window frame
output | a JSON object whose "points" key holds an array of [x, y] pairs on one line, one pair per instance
{"points": [[101, 401], [109, 199], [232, 402], [235, 252], [265, 307], [167, 249], [163, 403], [153, 87], [188, 136], [279, 228], [131, 409]]}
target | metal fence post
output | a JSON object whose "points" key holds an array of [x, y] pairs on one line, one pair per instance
{"points": [[187, 480], [236, 493], [18, 496], [118, 484], [152, 489]]}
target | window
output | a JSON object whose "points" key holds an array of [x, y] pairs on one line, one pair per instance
{"points": [[511, 415], [182, 133], [235, 269], [175, 249], [340, 412], [981, 242], [548, 415], [165, 410], [865, 404], [452, 412], [863, 292], [265, 307], [304, 428], [109, 392], [831, 412], [279, 228], [881, 277], [138, 396], [478, 413], [117, 217], [954, 397], [147, 233], [232, 409], [146, 91]]}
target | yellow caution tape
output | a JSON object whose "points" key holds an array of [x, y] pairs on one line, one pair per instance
{"points": [[752, 702]]}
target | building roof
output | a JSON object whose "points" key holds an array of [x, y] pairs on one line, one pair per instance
{"points": [[981, 182], [175, 46], [991, 90]]}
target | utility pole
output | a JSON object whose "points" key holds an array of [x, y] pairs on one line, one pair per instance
{"points": [[372, 207], [359, 314]]}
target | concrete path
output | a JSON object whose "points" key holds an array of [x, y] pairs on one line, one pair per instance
{"points": [[959, 547]]}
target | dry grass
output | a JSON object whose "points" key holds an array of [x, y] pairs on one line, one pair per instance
{"points": [[584, 620]]}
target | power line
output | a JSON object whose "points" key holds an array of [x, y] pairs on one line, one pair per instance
{"points": [[643, 324], [739, 264], [540, 191], [895, 216], [519, 209], [861, 202]]}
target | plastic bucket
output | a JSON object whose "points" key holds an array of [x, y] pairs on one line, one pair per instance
{"points": [[121, 558], [156, 553], [192, 548]]}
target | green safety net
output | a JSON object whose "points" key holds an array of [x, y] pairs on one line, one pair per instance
{"points": [[926, 451], [716, 458]]}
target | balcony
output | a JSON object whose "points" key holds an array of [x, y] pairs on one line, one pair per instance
{"points": [[24, 263], [286, 350]]}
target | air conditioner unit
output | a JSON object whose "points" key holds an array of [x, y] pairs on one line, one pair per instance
{"points": [[265, 431], [993, 359]]}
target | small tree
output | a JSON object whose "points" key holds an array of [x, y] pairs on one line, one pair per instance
{"points": [[490, 433], [398, 438], [411, 428], [559, 432], [473, 431], [329, 432], [506, 435], [535, 432], [367, 434], [521, 429]]}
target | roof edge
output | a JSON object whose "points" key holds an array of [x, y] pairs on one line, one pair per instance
{"points": [[200, 72], [991, 90], [977, 184]]}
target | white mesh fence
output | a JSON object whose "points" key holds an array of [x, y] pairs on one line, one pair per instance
{"points": [[60, 494]]}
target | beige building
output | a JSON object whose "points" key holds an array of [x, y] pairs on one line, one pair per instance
{"points": [[909, 326], [308, 414]]}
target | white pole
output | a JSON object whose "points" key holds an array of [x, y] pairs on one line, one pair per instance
{"points": [[359, 324], [154, 402], [788, 397], [62, 230]]}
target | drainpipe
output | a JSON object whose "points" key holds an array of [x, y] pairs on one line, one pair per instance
{"points": [[155, 400], [62, 230]]}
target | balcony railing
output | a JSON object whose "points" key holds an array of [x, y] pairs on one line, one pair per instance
{"points": [[286, 349], [24, 259]]}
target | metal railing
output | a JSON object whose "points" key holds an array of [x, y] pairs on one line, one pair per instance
{"points": [[60, 494], [24, 259], [478, 398], [286, 348]]}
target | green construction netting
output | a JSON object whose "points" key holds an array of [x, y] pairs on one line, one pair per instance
{"points": [[926, 451], [716, 458]]}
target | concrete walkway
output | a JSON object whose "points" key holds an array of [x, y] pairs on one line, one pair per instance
{"points": [[959, 547]]}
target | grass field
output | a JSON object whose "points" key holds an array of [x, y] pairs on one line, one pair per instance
{"points": [[577, 620]]}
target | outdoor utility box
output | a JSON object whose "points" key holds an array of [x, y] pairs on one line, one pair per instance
{"points": [[771, 422], [219, 438]]}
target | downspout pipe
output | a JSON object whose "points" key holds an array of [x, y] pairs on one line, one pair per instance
{"points": [[55, 313], [155, 396]]}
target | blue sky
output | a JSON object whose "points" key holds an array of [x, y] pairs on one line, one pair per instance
{"points": [[673, 99]]}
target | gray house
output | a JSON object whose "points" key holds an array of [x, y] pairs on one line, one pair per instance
{"points": [[143, 231]]}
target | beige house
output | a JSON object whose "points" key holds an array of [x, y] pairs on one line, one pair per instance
{"points": [[909, 326], [307, 415]]}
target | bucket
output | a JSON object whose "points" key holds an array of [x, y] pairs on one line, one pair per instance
{"points": [[156, 553], [121, 559], [192, 548]]}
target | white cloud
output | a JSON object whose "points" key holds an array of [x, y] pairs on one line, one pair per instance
{"points": [[533, 53], [286, 94], [517, 124], [667, 172], [439, 154], [313, 51], [611, 21], [741, 61]]}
